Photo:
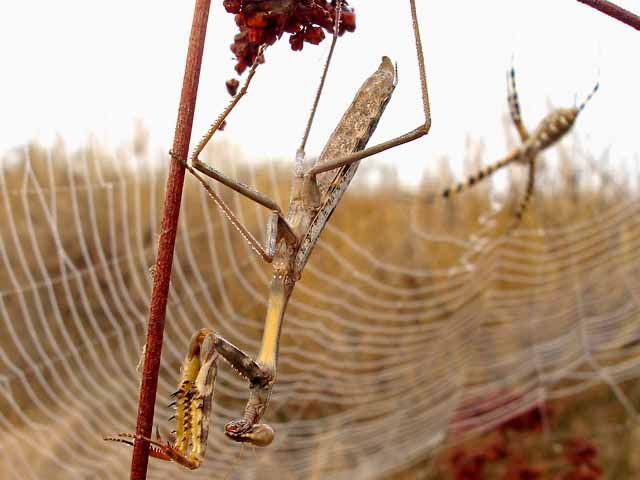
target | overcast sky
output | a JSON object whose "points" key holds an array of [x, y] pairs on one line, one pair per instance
{"points": [[74, 68]]}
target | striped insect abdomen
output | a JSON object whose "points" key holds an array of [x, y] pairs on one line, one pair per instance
{"points": [[551, 129]]}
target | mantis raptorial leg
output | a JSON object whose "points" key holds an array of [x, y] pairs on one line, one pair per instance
{"points": [[193, 401]]}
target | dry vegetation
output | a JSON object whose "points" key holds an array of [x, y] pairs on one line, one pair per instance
{"points": [[89, 182]]}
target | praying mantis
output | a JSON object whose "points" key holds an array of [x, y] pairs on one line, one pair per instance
{"points": [[290, 239]]}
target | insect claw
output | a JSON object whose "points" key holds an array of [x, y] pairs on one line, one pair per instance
{"points": [[258, 434]]}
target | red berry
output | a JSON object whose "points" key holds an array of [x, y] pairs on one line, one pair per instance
{"points": [[314, 35], [232, 6], [257, 21], [265, 21], [232, 86], [296, 41], [255, 35], [347, 22]]}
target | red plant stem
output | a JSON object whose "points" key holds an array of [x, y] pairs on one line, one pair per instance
{"points": [[166, 243], [614, 11]]}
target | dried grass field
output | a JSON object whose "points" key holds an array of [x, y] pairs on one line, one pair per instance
{"points": [[78, 233]]}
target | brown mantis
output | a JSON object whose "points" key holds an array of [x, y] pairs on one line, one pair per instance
{"points": [[290, 239], [550, 130]]}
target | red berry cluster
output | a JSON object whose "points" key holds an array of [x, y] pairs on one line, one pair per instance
{"points": [[502, 454], [581, 456], [465, 466], [531, 420], [519, 469], [264, 22]]}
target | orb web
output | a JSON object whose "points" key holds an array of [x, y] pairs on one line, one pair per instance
{"points": [[413, 328]]}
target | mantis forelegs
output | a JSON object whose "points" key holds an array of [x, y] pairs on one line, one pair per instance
{"points": [[194, 398], [192, 401], [248, 429]]}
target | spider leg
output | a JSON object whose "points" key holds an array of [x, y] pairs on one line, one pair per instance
{"points": [[514, 104], [481, 175], [524, 204], [402, 139], [589, 97]]}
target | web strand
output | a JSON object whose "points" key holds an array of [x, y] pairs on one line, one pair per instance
{"points": [[403, 345]]}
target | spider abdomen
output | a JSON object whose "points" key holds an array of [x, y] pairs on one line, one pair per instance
{"points": [[551, 129]]}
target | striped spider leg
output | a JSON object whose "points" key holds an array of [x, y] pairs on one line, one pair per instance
{"points": [[314, 195], [550, 130]]}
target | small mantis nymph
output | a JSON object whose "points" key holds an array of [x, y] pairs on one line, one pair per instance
{"points": [[290, 239], [550, 130]]}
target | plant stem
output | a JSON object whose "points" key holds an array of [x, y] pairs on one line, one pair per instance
{"points": [[611, 9], [166, 243]]}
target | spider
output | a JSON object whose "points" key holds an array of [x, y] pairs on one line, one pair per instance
{"points": [[290, 238], [550, 130]]}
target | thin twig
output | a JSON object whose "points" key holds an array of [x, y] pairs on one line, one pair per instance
{"points": [[307, 129], [611, 9], [166, 244]]}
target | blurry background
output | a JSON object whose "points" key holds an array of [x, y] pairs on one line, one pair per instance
{"points": [[74, 68], [435, 347]]}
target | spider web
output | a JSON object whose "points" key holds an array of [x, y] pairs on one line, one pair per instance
{"points": [[409, 331]]}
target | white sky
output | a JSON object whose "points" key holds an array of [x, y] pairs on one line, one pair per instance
{"points": [[75, 68]]}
